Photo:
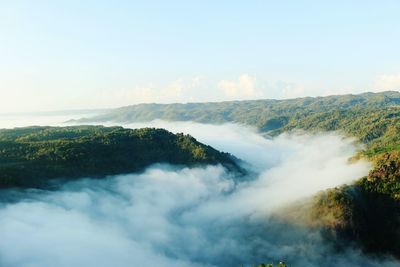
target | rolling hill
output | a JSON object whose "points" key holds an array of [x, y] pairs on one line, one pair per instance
{"points": [[365, 213], [31, 156]]}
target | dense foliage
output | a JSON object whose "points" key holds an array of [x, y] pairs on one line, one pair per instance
{"points": [[280, 264], [30, 156], [366, 212], [374, 118]]}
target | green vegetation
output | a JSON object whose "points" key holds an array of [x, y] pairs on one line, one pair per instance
{"points": [[379, 129], [280, 264], [373, 118], [366, 212], [30, 157]]}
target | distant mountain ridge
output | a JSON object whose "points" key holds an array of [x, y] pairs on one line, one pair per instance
{"points": [[367, 212], [373, 118], [246, 111]]}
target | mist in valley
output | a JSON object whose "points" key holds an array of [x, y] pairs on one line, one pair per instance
{"points": [[175, 216]]}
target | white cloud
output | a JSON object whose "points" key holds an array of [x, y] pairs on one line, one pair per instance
{"points": [[179, 90], [244, 88], [182, 90], [291, 90], [387, 82], [124, 96], [186, 217]]}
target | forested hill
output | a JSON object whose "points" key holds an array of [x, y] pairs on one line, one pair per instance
{"points": [[374, 118], [366, 212], [30, 157]]}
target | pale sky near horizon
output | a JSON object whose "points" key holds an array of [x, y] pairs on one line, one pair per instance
{"points": [[71, 54]]}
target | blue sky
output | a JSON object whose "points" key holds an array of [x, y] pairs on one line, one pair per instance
{"points": [[89, 54]]}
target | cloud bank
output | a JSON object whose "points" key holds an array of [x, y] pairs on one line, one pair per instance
{"points": [[186, 217], [194, 88], [387, 82]]}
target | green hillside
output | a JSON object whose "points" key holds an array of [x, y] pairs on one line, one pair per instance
{"points": [[366, 213], [374, 118], [30, 157]]}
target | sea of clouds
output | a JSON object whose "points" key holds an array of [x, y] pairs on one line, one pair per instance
{"points": [[170, 216]]}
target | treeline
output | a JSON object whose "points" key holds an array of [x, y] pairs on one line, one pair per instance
{"points": [[280, 264], [366, 212], [374, 118], [31, 156]]}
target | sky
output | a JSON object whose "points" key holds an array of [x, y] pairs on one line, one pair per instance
{"points": [[71, 54]]}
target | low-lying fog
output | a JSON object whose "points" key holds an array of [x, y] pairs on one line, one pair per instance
{"points": [[187, 217]]}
